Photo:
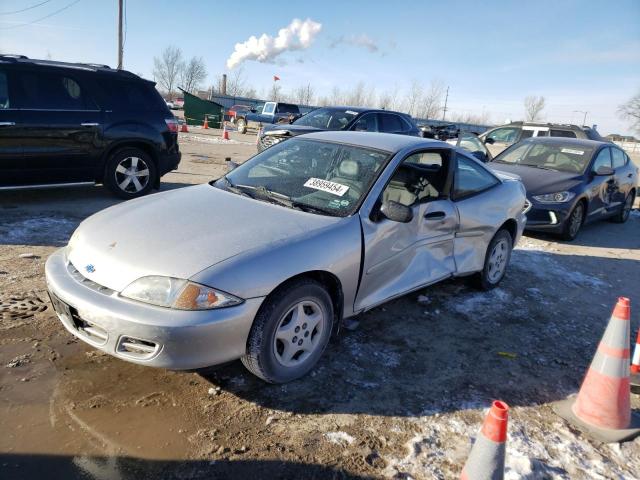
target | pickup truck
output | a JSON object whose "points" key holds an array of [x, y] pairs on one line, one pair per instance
{"points": [[266, 113]]}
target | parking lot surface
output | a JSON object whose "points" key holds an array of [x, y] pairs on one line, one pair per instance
{"points": [[400, 396]]}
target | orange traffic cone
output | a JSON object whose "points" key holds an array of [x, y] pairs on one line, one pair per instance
{"points": [[486, 460], [205, 125], [635, 365], [184, 128], [225, 134], [603, 405]]}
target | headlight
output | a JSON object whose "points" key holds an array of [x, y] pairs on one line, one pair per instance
{"points": [[177, 293], [558, 197]]}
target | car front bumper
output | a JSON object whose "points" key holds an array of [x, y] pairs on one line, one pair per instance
{"points": [[146, 334], [547, 217]]}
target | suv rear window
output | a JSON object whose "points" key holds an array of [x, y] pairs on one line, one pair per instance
{"points": [[131, 96], [562, 133], [287, 108]]}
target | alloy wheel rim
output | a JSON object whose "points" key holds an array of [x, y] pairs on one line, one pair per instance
{"points": [[576, 220], [298, 333], [627, 208], [132, 174], [498, 261]]}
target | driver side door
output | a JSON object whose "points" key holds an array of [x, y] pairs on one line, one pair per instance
{"points": [[402, 257]]}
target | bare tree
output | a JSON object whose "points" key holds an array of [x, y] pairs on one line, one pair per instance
{"points": [[413, 97], [533, 105], [275, 93], [389, 100], [193, 74], [303, 95], [236, 83], [430, 103], [631, 111], [167, 68]]}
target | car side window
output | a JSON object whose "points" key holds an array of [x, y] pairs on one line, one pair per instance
{"points": [[4, 91], [475, 146], [421, 177], [470, 178], [506, 135], [526, 134], [269, 108], [390, 123], [602, 160], [51, 91], [617, 158], [367, 123]]}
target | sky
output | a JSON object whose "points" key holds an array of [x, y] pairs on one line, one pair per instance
{"points": [[580, 55]]}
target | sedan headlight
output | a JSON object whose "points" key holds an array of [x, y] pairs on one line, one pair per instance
{"points": [[177, 293], [558, 197]]}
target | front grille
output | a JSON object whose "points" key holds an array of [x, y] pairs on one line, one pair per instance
{"points": [[80, 278], [89, 330]]}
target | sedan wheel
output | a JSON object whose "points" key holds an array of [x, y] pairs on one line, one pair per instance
{"points": [[496, 261], [290, 332], [573, 223], [625, 211]]}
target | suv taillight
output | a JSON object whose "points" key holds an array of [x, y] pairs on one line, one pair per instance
{"points": [[172, 123]]}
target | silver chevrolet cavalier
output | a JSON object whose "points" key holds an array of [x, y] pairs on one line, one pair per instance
{"points": [[264, 263]]}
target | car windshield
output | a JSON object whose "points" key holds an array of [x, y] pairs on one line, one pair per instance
{"points": [[321, 177], [327, 118], [568, 158]]}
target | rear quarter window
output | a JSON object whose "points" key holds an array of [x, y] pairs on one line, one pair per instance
{"points": [[471, 178], [122, 96], [562, 133]]}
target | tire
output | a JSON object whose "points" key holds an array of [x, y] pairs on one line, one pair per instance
{"points": [[241, 125], [573, 223], [269, 354], [130, 173], [623, 215], [497, 257]]}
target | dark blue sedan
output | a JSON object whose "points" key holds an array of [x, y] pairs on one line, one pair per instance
{"points": [[571, 182]]}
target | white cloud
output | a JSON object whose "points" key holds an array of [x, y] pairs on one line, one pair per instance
{"points": [[298, 35], [362, 41]]}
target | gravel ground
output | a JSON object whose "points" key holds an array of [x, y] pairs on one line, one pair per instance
{"points": [[401, 396]]}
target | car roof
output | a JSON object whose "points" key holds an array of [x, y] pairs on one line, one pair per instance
{"points": [[389, 142], [577, 142], [363, 109]]}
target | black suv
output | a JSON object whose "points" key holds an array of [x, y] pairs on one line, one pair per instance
{"points": [[71, 123]]}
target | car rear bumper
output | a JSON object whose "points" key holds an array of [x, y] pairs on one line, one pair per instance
{"points": [[168, 161], [146, 334]]}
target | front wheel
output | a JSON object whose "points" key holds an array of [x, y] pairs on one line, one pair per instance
{"points": [[573, 223], [130, 173], [290, 332], [496, 261], [241, 125]]}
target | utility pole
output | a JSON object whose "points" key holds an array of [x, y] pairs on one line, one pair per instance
{"points": [[444, 110], [120, 46]]}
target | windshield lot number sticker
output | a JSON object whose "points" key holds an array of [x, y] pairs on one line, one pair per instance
{"points": [[327, 186], [570, 150]]}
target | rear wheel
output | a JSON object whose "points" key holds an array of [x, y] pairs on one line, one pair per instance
{"points": [[241, 125], [573, 223], [130, 173], [290, 332], [623, 215], [496, 261]]}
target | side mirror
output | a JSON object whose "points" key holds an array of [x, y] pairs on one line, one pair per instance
{"points": [[396, 212], [480, 155], [489, 140], [253, 110], [231, 165], [604, 171]]}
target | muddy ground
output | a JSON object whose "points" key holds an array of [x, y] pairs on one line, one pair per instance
{"points": [[402, 396]]}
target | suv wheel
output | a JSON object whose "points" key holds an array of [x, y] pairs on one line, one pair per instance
{"points": [[290, 332], [130, 173], [573, 223], [241, 125]]}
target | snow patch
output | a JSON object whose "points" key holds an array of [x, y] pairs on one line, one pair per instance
{"points": [[36, 230], [211, 140], [339, 438]]}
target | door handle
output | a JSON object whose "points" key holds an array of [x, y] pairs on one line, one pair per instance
{"points": [[7, 124], [434, 216], [90, 124]]}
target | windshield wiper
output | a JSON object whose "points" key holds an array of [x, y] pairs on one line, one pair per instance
{"points": [[239, 189], [538, 166]]}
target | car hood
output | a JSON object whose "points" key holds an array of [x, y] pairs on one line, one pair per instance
{"points": [[291, 129], [538, 180], [180, 233]]}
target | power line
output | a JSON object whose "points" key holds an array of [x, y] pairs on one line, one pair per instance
{"points": [[25, 9], [45, 17]]}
